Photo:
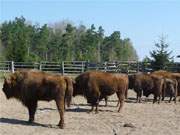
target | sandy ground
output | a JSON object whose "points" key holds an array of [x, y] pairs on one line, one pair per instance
{"points": [[144, 118]]}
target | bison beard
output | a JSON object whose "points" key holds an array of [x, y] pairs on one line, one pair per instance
{"points": [[29, 87], [98, 85]]}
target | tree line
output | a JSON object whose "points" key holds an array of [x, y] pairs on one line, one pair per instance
{"points": [[22, 41]]}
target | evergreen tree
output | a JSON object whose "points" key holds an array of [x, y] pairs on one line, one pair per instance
{"points": [[100, 37], [68, 43], [79, 41], [15, 39], [161, 56], [62, 41]]}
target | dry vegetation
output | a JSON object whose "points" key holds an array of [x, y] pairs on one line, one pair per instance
{"points": [[135, 118]]}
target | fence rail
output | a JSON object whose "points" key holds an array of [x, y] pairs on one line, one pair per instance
{"points": [[5, 66], [77, 67]]}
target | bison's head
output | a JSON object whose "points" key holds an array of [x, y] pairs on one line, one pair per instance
{"points": [[77, 90], [131, 81], [7, 88], [10, 85]]}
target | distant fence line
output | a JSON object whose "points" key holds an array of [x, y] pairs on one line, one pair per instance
{"points": [[77, 67]]}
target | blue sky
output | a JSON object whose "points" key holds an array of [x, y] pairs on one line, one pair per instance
{"points": [[143, 21]]}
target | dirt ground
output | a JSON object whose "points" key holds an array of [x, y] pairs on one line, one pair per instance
{"points": [[141, 118]]}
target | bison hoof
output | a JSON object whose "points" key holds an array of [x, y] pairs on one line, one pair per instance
{"points": [[96, 112], [30, 120], [89, 111], [61, 126]]}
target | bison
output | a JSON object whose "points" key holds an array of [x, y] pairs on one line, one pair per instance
{"points": [[171, 76], [156, 89], [170, 88], [146, 84], [96, 85], [140, 82], [31, 86], [177, 77], [125, 77]]}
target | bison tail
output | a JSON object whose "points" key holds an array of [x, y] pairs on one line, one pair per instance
{"points": [[126, 93], [69, 91]]}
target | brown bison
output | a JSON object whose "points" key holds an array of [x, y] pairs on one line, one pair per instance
{"points": [[125, 77], [95, 85], [170, 89], [31, 86], [146, 84], [172, 76], [140, 82], [157, 88], [177, 77]]}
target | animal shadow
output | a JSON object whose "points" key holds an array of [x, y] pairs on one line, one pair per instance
{"points": [[48, 109], [100, 110], [77, 109], [23, 122], [130, 100]]}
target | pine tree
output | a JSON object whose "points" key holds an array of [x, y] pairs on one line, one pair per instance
{"points": [[161, 56]]}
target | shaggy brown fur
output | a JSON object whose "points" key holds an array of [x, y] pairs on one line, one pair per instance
{"points": [[170, 88], [140, 82], [146, 84], [177, 77], [125, 77], [31, 86], [157, 89], [96, 85], [169, 75]]}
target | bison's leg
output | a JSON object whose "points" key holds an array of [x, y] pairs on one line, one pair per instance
{"points": [[60, 106], [97, 104], [92, 108], [118, 103], [121, 98], [155, 99], [106, 98], [170, 98], [65, 104], [139, 94], [174, 99], [159, 100], [163, 95], [32, 109], [137, 97]]}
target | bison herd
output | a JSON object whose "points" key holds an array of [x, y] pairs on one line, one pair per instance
{"points": [[30, 86]]}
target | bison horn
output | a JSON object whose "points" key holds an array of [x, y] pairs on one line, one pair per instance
{"points": [[4, 77]]}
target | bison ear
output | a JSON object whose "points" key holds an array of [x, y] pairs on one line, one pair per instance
{"points": [[5, 79]]}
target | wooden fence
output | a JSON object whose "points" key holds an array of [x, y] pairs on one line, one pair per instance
{"points": [[77, 67], [73, 67]]}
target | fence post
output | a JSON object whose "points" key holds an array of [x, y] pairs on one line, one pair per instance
{"points": [[137, 66], [40, 66], [62, 67], [82, 64], [105, 66], [12, 66]]}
